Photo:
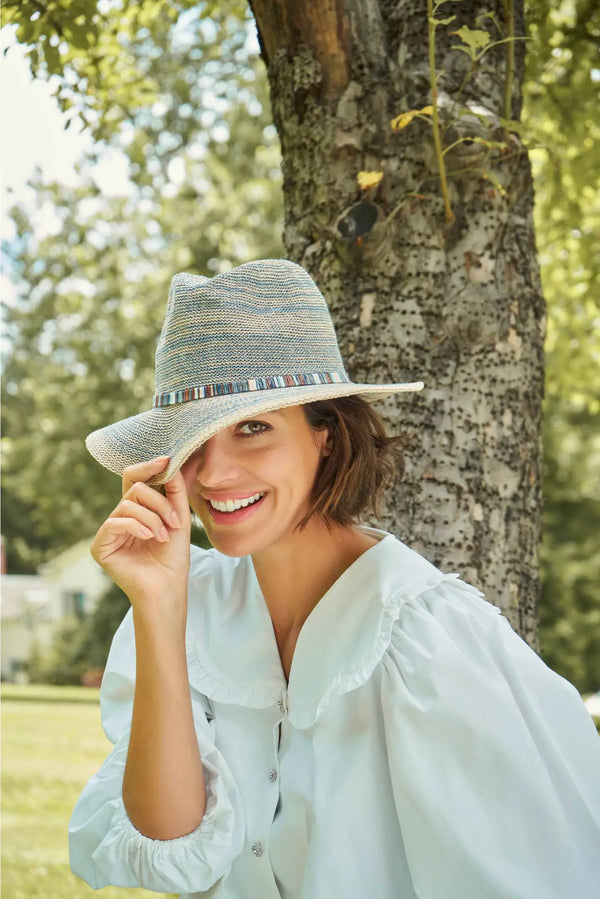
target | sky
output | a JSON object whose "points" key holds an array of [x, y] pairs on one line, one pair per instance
{"points": [[32, 124], [32, 134]]}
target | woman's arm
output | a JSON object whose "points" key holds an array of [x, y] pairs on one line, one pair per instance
{"points": [[105, 847], [494, 760], [163, 785], [144, 546]]}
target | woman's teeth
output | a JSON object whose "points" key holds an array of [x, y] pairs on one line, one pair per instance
{"points": [[231, 505]]}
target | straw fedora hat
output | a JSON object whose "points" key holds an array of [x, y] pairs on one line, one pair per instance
{"points": [[250, 340]]}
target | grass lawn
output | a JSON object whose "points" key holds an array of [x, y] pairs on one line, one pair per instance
{"points": [[52, 742]]}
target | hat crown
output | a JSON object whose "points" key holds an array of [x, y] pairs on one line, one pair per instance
{"points": [[261, 319]]}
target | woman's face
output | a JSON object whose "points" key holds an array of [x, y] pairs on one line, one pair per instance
{"points": [[270, 464]]}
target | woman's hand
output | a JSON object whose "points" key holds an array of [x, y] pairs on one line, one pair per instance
{"points": [[144, 544]]}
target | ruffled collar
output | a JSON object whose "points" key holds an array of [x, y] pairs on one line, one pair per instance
{"points": [[232, 650]]}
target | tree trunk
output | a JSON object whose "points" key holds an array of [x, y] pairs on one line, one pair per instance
{"points": [[413, 294]]}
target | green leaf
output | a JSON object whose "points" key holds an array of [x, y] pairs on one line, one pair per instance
{"points": [[79, 36], [52, 58], [470, 53], [474, 38], [437, 22]]}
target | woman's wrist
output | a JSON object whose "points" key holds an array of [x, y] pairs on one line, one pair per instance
{"points": [[164, 614]]}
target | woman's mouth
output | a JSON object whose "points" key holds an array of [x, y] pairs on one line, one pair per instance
{"points": [[232, 510]]}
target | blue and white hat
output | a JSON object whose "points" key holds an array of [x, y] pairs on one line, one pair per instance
{"points": [[250, 340]]}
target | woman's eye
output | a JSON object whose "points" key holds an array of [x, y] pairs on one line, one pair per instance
{"points": [[250, 428]]}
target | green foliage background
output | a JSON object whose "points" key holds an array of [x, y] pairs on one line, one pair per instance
{"points": [[178, 87], [562, 112]]}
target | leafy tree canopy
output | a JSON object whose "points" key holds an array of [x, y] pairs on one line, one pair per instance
{"points": [[561, 109], [116, 60]]}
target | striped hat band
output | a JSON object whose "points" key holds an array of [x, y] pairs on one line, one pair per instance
{"points": [[270, 383]]}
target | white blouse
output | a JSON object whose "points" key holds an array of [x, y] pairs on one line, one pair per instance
{"points": [[421, 749]]}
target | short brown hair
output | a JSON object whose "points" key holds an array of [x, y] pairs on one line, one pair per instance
{"points": [[362, 463]]}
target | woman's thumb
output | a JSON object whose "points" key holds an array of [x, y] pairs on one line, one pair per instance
{"points": [[177, 494]]}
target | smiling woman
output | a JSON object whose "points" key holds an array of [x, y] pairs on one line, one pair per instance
{"points": [[310, 708]]}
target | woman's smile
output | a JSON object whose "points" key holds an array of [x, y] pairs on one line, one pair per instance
{"points": [[231, 511]]}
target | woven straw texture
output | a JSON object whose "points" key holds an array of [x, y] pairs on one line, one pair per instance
{"points": [[265, 319]]}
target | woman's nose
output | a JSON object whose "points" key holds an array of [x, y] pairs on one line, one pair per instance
{"points": [[216, 464]]}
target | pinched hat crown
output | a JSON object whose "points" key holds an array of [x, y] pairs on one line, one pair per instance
{"points": [[254, 322]]}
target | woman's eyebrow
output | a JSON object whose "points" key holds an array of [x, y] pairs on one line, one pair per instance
{"points": [[279, 412]]}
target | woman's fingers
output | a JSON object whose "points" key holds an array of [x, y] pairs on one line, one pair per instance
{"points": [[128, 508], [111, 534], [145, 540], [143, 471], [141, 494], [147, 506]]}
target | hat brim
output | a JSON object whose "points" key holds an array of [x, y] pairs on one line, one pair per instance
{"points": [[178, 431]]}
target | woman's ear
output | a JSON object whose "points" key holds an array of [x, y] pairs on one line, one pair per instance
{"points": [[327, 444]]}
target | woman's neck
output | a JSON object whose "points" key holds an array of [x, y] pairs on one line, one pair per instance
{"points": [[295, 573]]}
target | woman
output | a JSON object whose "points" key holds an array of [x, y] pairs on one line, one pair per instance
{"points": [[310, 709]]}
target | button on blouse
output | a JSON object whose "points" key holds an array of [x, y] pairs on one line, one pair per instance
{"points": [[420, 749]]}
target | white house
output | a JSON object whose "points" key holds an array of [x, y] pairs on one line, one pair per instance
{"points": [[25, 620], [70, 584], [75, 581]]}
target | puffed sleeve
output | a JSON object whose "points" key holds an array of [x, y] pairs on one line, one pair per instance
{"points": [[104, 846], [494, 760]]}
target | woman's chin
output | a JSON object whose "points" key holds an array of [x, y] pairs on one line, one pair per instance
{"points": [[241, 544], [235, 543], [248, 537]]}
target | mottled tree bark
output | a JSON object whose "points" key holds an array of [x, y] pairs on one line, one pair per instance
{"points": [[456, 304]]}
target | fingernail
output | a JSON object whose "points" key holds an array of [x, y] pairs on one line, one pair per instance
{"points": [[164, 534], [145, 532], [174, 519]]}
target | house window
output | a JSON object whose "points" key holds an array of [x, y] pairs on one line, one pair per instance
{"points": [[73, 603]]}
